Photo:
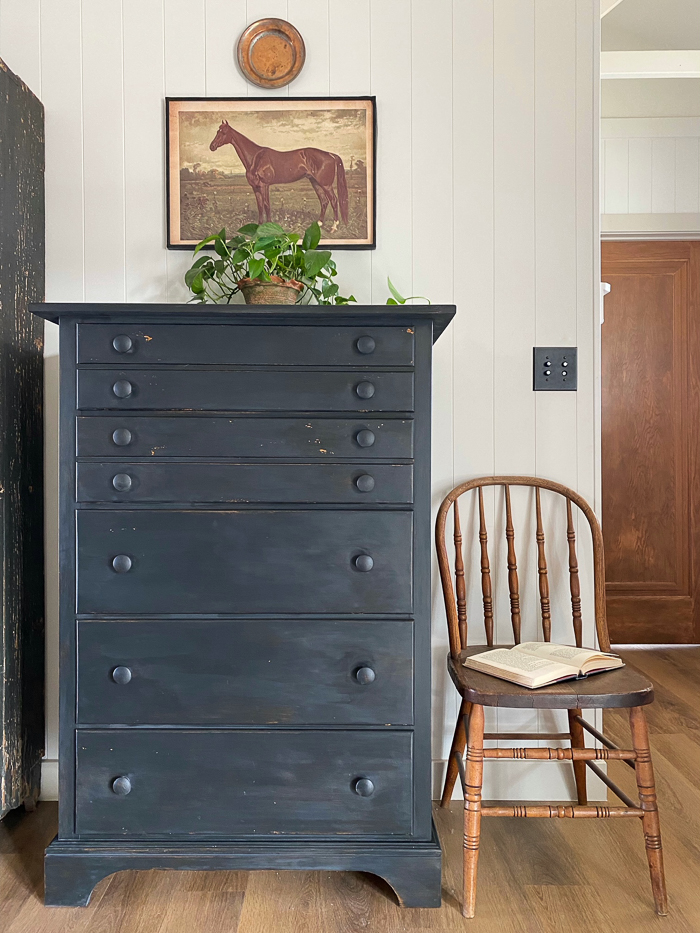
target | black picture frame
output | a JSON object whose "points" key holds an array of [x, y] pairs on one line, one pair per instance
{"points": [[173, 107]]}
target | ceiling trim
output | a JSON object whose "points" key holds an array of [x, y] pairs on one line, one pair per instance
{"points": [[607, 5], [650, 235], [676, 63]]}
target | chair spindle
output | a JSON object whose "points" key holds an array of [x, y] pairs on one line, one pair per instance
{"points": [[485, 572], [512, 571], [574, 582], [460, 586], [542, 571]]}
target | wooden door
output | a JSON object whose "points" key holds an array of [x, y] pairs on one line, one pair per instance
{"points": [[650, 410]]}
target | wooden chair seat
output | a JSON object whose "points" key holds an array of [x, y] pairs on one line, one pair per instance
{"points": [[625, 687]]}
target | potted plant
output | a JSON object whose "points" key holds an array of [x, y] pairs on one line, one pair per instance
{"points": [[267, 265]]}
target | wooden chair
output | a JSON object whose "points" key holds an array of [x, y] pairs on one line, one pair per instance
{"points": [[621, 688]]}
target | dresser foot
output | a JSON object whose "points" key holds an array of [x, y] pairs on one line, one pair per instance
{"points": [[71, 876], [411, 868], [415, 882]]}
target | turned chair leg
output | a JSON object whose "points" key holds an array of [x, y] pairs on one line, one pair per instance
{"points": [[474, 773], [644, 772], [459, 740], [578, 740]]}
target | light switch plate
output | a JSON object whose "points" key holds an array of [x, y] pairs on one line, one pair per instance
{"points": [[554, 369]]}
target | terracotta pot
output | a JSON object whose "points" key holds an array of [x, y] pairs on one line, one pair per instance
{"points": [[276, 292]]}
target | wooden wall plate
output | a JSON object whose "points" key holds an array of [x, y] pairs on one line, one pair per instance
{"points": [[271, 53]]}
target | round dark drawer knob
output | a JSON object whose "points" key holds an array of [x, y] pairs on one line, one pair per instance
{"points": [[365, 438], [121, 482], [364, 389], [365, 483], [122, 388], [364, 563], [363, 787], [122, 343], [365, 344], [121, 675], [122, 437], [121, 786], [365, 675], [122, 563]]}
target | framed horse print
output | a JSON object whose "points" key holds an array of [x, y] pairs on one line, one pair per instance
{"points": [[290, 160]]}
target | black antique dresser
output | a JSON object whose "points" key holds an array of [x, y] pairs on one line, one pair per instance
{"points": [[245, 592]]}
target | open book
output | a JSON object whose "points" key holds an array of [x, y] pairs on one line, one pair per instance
{"points": [[536, 664]]}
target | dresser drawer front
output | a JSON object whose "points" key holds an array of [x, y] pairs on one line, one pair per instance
{"points": [[245, 672], [187, 436], [247, 561], [224, 344], [243, 390], [243, 783], [245, 482]]}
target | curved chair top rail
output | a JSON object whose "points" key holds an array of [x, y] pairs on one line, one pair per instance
{"points": [[455, 596]]}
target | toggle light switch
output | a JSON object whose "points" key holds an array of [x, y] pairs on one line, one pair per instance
{"points": [[554, 369]]}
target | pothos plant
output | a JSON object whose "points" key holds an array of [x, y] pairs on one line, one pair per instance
{"points": [[398, 298], [264, 253]]}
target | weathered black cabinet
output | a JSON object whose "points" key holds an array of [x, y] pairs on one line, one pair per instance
{"points": [[245, 618], [21, 443]]}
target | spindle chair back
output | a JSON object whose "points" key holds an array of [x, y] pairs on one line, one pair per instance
{"points": [[455, 594], [619, 688]]}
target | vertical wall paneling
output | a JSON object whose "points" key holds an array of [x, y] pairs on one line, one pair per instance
{"points": [[185, 76], [144, 129], [588, 308], [687, 176], [224, 22], [514, 326], [433, 232], [392, 84], [639, 181], [103, 150], [472, 330], [349, 70], [616, 176], [486, 170], [555, 273], [311, 19], [656, 161], [663, 176], [20, 40], [514, 249], [473, 248], [555, 289], [62, 97]]}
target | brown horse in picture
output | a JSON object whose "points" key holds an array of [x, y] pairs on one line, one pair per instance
{"points": [[265, 167]]}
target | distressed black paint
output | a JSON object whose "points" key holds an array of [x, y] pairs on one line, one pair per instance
{"points": [[21, 449], [233, 577]]}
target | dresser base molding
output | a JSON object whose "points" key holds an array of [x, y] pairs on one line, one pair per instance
{"points": [[412, 869]]}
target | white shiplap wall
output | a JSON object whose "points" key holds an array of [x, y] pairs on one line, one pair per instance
{"points": [[650, 166], [487, 196]]}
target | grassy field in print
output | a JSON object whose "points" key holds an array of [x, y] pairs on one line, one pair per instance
{"points": [[209, 205]]}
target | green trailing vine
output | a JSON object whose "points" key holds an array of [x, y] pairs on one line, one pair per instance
{"points": [[264, 253]]}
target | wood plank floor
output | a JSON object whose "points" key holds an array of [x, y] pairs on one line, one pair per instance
{"points": [[535, 876]]}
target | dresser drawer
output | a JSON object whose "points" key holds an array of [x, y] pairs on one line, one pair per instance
{"points": [[280, 561], [256, 783], [243, 390], [202, 437], [245, 672], [244, 482], [238, 344]]}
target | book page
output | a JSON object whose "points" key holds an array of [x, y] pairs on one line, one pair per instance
{"points": [[563, 654], [517, 661]]}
